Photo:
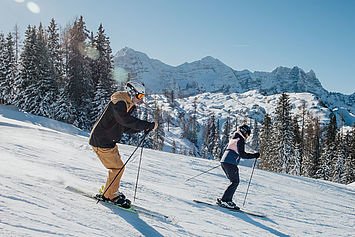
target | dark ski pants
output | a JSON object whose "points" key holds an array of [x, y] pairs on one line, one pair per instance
{"points": [[232, 173]]}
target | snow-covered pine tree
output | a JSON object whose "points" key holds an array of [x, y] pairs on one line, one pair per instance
{"points": [[46, 84], [255, 137], [216, 149], [3, 81], [168, 119], [62, 107], [226, 133], [339, 159], [284, 134], [26, 82], [211, 137], [296, 162], [195, 125], [189, 128], [311, 149], [65, 111], [173, 147], [55, 52], [235, 125], [308, 134], [101, 67], [338, 165], [2, 68], [80, 85], [302, 131], [316, 141], [159, 134], [190, 125], [266, 144], [349, 169], [205, 132], [208, 137], [172, 98], [11, 70], [16, 36], [328, 150]]}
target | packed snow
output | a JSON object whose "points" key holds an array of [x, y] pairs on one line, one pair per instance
{"points": [[40, 157]]}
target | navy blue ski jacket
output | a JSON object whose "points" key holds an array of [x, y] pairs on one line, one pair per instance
{"points": [[236, 150]]}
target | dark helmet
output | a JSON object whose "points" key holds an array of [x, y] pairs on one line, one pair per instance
{"points": [[245, 130]]}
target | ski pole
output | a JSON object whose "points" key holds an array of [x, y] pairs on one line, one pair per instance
{"points": [[202, 173], [145, 134], [249, 182], [139, 167]]}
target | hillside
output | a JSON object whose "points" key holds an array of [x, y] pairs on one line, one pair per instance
{"points": [[239, 106], [40, 157], [210, 75]]}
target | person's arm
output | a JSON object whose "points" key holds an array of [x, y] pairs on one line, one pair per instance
{"points": [[243, 154], [126, 120], [130, 130]]}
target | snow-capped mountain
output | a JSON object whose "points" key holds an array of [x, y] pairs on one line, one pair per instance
{"points": [[212, 75]]}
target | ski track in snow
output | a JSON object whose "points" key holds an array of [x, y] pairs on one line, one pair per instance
{"points": [[40, 157]]}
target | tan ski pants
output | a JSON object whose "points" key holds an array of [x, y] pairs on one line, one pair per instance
{"points": [[111, 159]]}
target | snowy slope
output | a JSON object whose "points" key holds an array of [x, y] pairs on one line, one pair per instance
{"points": [[37, 162]]}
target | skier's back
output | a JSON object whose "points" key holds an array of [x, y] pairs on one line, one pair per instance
{"points": [[230, 161]]}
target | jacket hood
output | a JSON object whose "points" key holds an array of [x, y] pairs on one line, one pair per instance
{"points": [[122, 96]]}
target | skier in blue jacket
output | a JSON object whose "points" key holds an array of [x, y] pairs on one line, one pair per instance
{"points": [[229, 162]]}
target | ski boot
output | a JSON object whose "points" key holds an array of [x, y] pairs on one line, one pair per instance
{"points": [[228, 204], [101, 197], [121, 200]]}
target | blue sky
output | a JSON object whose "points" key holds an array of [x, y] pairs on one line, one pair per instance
{"points": [[258, 35]]}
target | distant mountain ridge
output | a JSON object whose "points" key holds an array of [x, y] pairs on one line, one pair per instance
{"points": [[211, 75]]}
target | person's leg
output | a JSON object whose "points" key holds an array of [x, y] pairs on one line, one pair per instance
{"points": [[110, 158], [232, 174]]}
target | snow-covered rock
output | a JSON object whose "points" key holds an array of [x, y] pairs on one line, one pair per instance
{"points": [[211, 75]]}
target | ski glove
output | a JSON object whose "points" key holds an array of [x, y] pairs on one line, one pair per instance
{"points": [[257, 155], [155, 126], [152, 127]]}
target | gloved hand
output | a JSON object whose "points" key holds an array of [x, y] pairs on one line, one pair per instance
{"points": [[155, 126], [152, 127], [257, 155]]}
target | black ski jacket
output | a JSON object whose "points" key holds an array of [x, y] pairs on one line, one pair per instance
{"points": [[116, 120]]}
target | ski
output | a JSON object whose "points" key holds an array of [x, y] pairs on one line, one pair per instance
{"points": [[231, 209], [133, 209], [75, 190]]}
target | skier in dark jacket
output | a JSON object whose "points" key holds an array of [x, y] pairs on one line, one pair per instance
{"points": [[229, 162], [108, 129]]}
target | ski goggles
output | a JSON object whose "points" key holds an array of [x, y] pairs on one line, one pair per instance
{"points": [[140, 96]]}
